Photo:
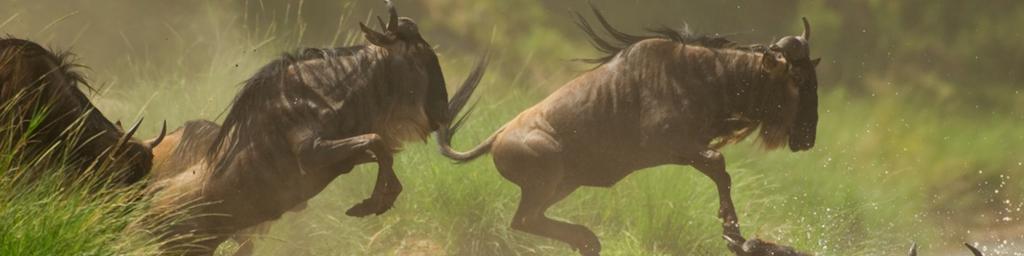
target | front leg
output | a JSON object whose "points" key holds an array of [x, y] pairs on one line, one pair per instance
{"points": [[385, 191], [712, 164], [319, 153]]}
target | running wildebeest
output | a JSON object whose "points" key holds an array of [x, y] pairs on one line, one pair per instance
{"points": [[34, 80], [297, 124], [675, 98]]}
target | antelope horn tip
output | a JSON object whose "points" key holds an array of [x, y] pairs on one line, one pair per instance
{"points": [[128, 135], [160, 138], [807, 29]]}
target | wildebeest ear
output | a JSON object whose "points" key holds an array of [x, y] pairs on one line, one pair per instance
{"points": [[815, 62], [374, 37]]}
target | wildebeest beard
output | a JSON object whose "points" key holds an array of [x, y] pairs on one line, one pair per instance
{"points": [[753, 101], [437, 93], [802, 136]]}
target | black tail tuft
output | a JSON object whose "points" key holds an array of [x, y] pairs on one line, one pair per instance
{"points": [[456, 105], [459, 101]]}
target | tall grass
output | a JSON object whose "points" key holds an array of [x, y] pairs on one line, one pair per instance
{"points": [[50, 206], [855, 194], [889, 169]]}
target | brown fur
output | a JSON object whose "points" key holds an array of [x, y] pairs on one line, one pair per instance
{"points": [[297, 124], [179, 151], [655, 101]]}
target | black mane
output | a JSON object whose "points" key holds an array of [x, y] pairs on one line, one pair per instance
{"points": [[42, 83], [14, 51], [65, 60], [622, 41], [260, 113]]}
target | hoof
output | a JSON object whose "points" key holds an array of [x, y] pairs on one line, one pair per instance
{"points": [[735, 244], [758, 247], [367, 207], [590, 251]]}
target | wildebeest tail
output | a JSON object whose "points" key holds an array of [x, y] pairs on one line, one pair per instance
{"points": [[457, 103]]}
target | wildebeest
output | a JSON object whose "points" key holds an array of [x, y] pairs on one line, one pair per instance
{"points": [[673, 98], [36, 81], [297, 124]]}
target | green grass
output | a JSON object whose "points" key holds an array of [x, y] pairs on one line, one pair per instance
{"points": [[43, 212], [888, 170], [48, 219], [870, 187]]}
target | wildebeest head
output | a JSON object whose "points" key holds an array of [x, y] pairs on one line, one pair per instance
{"points": [[800, 69], [132, 156], [401, 36], [34, 78]]}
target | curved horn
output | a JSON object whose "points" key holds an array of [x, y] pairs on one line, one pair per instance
{"points": [[155, 142], [807, 30], [913, 250], [393, 20], [380, 22], [128, 135]]}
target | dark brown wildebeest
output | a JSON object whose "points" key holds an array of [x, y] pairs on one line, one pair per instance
{"points": [[297, 124], [669, 99], [36, 81]]}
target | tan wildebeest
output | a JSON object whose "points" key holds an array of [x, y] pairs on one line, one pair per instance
{"points": [[36, 81], [296, 125], [183, 148], [675, 98]]}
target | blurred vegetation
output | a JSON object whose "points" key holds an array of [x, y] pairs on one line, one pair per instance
{"points": [[51, 207], [920, 135], [947, 49]]}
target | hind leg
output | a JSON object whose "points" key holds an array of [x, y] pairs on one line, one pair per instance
{"points": [[541, 188], [532, 159], [530, 218]]}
